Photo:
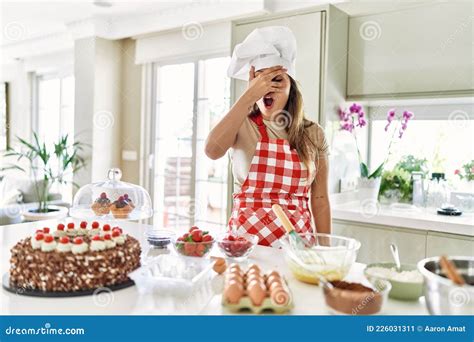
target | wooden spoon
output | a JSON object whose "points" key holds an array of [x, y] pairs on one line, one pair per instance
{"points": [[451, 271]]}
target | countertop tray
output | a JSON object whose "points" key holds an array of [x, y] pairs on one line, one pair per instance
{"points": [[38, 293]]}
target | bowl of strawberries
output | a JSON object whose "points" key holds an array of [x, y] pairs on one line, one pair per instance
{"points": [[196, 243], [237, 246]]}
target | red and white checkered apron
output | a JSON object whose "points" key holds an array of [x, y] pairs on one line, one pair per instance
{"points": [[276, 175]]}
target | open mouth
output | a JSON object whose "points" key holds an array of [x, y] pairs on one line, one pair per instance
{"points": [[268, 101]]}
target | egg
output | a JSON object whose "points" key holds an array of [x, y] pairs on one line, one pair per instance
{"points": [[271, 279], [274, 274], [274, 285], [254, 276], [219, 265], [253, 267], [256, 293], [234, 277], [233, 291], [234, 266]]}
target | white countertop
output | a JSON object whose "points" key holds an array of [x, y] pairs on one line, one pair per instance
{"points": [[418, 218], [308, 299]]}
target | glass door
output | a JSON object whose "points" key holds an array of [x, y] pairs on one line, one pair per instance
{"points": [[189, 188]]}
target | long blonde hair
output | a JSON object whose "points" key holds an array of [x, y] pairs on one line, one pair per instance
{"points": [[296, 125]]}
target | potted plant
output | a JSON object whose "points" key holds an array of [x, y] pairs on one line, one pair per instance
{"points": [[466, 177], [354, 118], [48, 166], [396, 185]]}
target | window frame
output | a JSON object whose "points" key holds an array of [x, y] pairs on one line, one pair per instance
{"points": [[152, 74], [424, 109]]}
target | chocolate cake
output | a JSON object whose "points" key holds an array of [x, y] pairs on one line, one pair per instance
{"points": [[74, 259]]}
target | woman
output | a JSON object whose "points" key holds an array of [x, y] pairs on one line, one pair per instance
{"points": [[277, 155]]}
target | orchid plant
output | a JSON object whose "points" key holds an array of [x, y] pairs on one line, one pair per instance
{"points": [[354, 118]]}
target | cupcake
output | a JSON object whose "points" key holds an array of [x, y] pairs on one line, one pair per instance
{"points": [[64, 245], [122, 207], [101, 205], [128, 200], [48, 244]]}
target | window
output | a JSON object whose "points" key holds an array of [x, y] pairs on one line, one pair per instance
{"points": [[189, 188], [3, 116], [446, 142], [55, 115]]}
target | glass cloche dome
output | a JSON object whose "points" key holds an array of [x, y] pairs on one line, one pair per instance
{"points": [[112, 200]]}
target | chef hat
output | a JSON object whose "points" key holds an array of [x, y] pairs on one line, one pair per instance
{"points": [[263, 48]]}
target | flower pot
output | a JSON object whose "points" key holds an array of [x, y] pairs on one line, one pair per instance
{"points": [[368, 189], [54, 212]]}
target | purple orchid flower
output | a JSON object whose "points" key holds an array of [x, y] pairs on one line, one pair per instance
{"points": [[355, 108]]}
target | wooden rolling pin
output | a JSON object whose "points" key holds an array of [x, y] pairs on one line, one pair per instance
{"points": [[451, 271]]}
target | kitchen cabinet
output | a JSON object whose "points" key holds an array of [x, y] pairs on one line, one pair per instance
{"points": [[376, 241], [420, 51], [449, 244], [413, 244]]}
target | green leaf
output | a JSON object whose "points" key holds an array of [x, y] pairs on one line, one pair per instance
{"points": [[378, 172], [364, 171]]}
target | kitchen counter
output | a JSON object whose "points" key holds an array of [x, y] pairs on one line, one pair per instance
{"points": [[417, 218], [308, 299]]}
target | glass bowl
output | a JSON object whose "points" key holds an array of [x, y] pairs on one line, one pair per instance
{"points": [[237, 246], [111, 200], [322, 256], [159, 238], [193, 249]]}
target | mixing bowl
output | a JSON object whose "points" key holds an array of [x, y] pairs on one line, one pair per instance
{"points": [[403, 289], [327, 256], [443, 297]]}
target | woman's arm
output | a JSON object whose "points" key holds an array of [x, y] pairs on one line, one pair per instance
{"points": [[320, 206], [223, 135]]}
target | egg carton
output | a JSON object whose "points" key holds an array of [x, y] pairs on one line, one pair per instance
{"points": [[245, 303]]}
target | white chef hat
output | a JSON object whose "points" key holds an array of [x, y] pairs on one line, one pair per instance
{"points": [[263, 48]]}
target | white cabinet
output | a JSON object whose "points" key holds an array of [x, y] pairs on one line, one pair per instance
{"points": [[449, 244], [307, 30], [376, 241], [425, 49], [413, 245]]}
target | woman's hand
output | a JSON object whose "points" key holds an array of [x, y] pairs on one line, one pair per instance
{"points": [[224, 134], [263, 83]]}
